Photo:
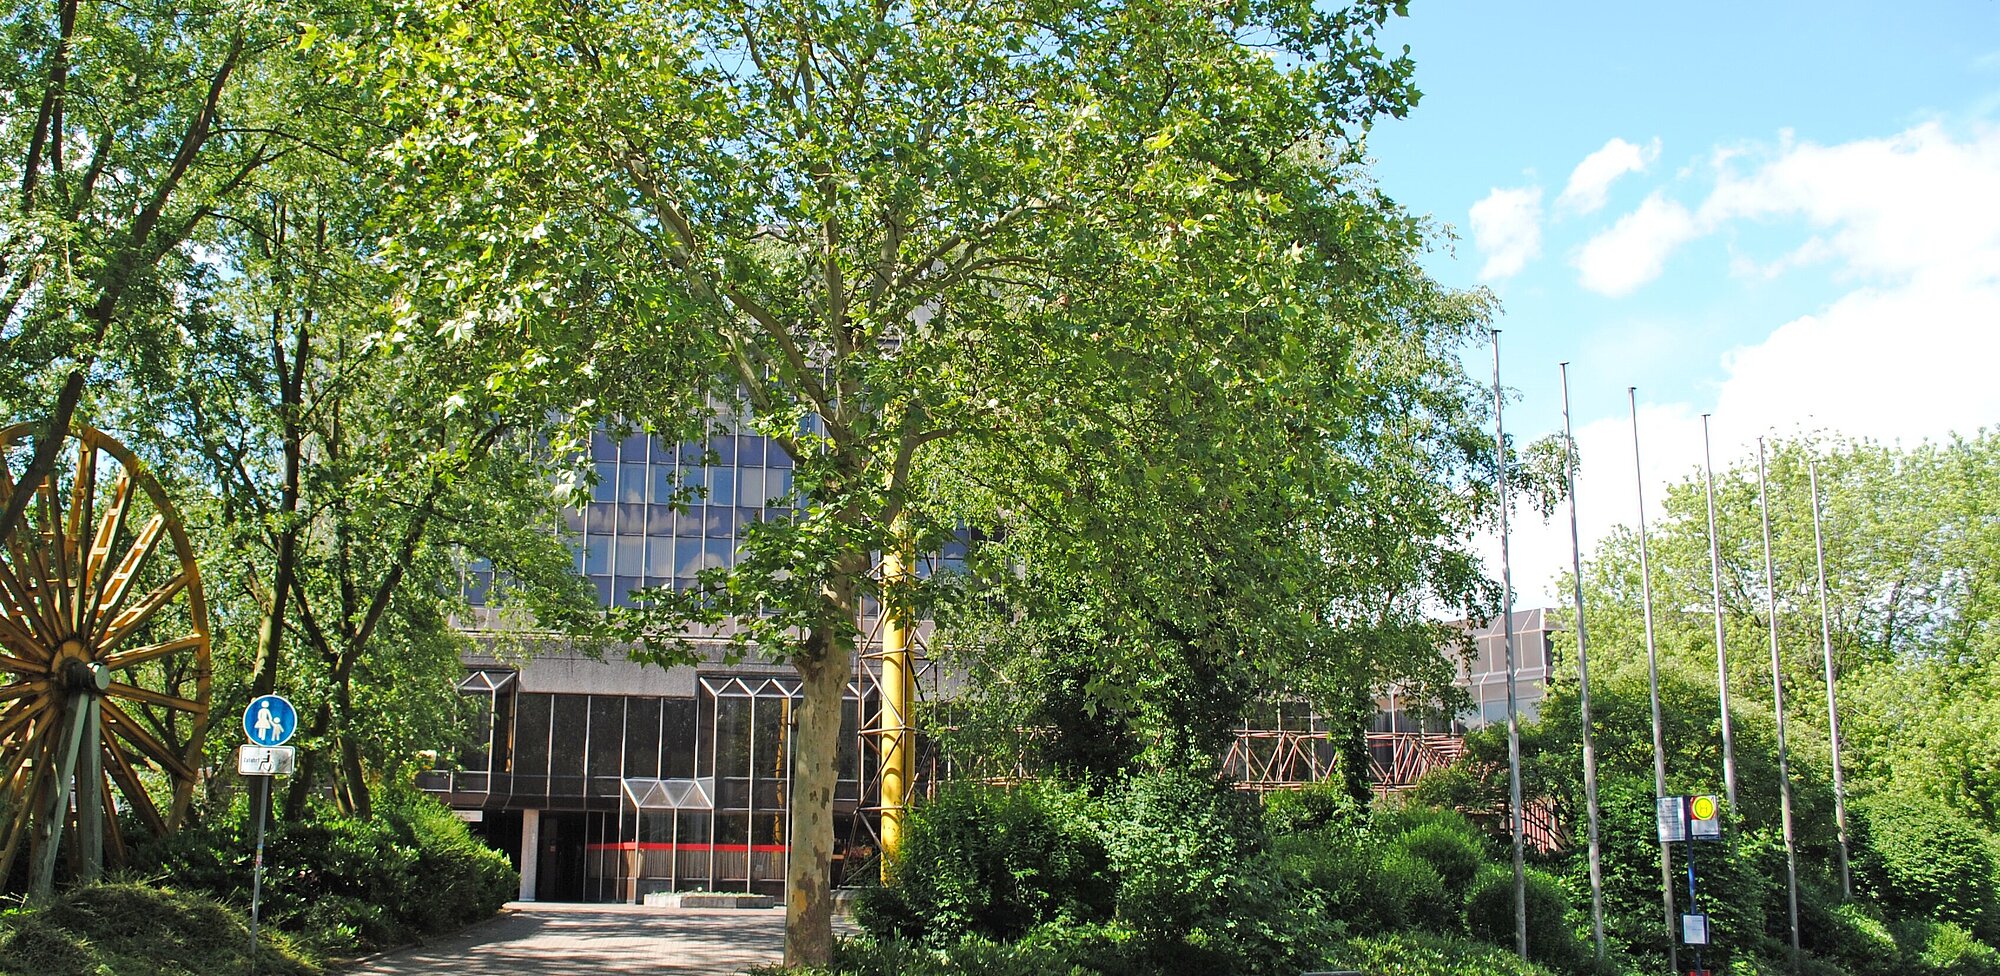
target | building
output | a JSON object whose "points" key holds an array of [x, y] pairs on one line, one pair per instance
{"points": [[606, 779]]}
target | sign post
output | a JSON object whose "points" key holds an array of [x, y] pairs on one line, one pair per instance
{"points": [[1689, 819], [268, 722]]}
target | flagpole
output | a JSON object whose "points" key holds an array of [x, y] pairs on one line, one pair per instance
{"points": [[1721, 639], [1507, 627], [1832, 703], [1778, 703], [1583, 679], [1653, 684]]}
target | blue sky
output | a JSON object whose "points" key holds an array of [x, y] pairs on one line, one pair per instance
{"points": [[1786, 214]]}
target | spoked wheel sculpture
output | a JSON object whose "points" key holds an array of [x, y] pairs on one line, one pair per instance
{"points": [[104, 669]]}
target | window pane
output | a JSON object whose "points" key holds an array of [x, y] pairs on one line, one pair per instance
{"points": [[603, 517], [606, 488], [721, 522], [725, 450], [607, 734], [642, 737], [688, 561], [721, 486], [659, 520], [750, 450], [603, 584], [631, 557], [531, 735], [621, 590], [663, 484], [750, 486], [633, 448], [632, 483], [601, 446], [717, 552], [597, 554], [659, 558], [568, 730]]}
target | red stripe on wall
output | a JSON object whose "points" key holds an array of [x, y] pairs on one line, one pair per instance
{"points": [[721, 848]]}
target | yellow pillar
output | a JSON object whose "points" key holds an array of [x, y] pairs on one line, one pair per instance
{"points": [[899, 692]]}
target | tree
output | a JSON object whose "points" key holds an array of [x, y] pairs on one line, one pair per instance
{"points": [[139, 125], [888, 231]]}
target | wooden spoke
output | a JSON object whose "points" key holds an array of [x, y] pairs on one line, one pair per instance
{"points": [[21, 642], [140, 655], [54, 553], [100, 547], [119, 584], [19, 666], [138, 613], [23, 690], [82, 493], [28, 801], [116, 719], [121, 769], [133, 693]]}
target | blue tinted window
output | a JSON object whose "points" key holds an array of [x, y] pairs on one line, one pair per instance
{"points": [[597, 554], [750, 450], [721, 486], [663, 484], [632, 483], [606, 488], [721, 522]]}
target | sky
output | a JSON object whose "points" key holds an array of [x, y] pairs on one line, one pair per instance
{"points": [[1786, 215]]}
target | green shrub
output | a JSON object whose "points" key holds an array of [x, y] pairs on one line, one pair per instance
{"points": [[1454, 851], [1944, 949], [1418, 954], [135, 930], [1365, 885], [342, 883], [1311, 807], [1489, 914], [992, 862], [1922, 859]]}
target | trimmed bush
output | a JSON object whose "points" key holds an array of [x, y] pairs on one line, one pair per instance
{"points": [[1489, 914], [1311, 807], [1944, 949]]}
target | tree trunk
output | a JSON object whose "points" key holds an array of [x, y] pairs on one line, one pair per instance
{"points": [[815, 771]]}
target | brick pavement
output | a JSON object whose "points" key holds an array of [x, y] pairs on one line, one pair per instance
{"points": [[530, 939]]}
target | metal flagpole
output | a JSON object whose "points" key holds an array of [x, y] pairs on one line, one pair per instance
{"points": [[1778, 703], [1721, 640], [1832, 703], [1583, 680], [1653, 684], [1507, 628]]}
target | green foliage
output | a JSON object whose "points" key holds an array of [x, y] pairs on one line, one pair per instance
{"points": [[1310, 807], [342, 883], [136, 930], [1421, 954], [1946, 949], [1454, 851], [992, 862], [1489, 914], [1925, 860]]}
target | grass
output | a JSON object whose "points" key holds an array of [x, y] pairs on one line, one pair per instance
{"points": [[127, 929]]}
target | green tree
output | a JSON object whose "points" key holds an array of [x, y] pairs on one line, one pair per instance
{"points": [[899, 234]]}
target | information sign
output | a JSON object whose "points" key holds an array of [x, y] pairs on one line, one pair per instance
{"points": [[266, 760], [1694, 929], [1673, 819]]}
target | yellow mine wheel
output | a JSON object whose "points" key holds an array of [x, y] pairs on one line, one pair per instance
{"points": [[104, 656]]}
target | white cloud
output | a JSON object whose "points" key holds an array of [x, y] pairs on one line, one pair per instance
{"points": [[1591, 181], [1911, 222], [1917, 204], [1635, 249], [1507, 229]]}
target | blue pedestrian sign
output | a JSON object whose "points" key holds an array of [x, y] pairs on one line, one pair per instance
{"points": [[270, 721]]}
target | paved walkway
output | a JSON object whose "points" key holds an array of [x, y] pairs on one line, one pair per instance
{"points": [[534, 938]]}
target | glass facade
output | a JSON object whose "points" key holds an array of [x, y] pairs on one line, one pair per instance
{"points": [[661, 512]]}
